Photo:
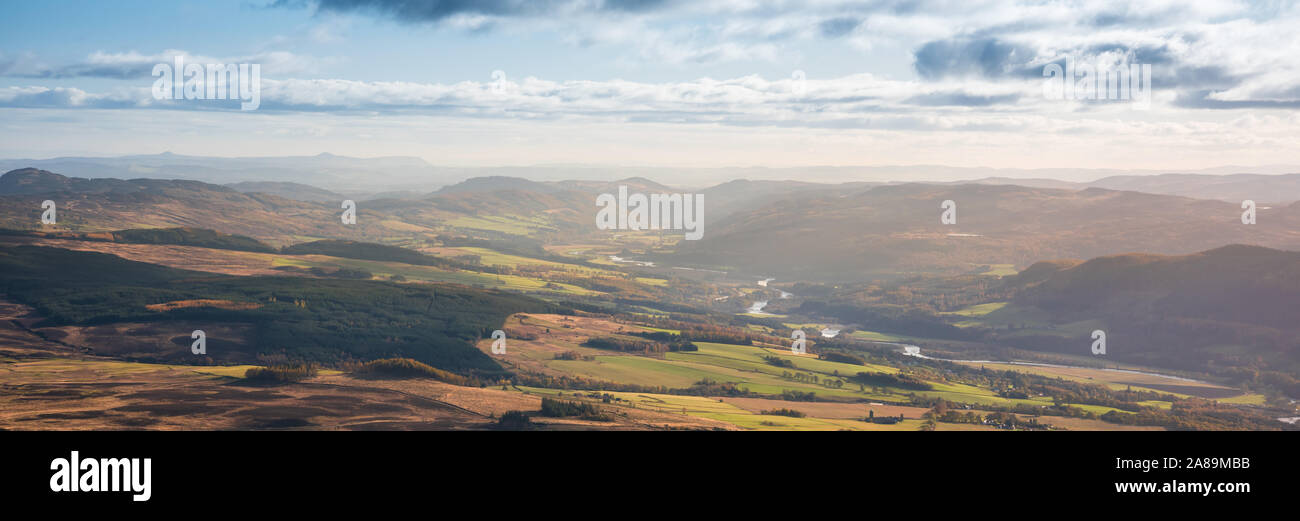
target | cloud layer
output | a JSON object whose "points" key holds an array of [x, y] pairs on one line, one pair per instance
{"points": [[1222, 72]]}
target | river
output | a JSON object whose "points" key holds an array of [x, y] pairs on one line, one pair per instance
{"points": [[757, 307]]}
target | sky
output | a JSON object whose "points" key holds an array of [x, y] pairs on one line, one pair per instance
{"points": [[663, 82]]}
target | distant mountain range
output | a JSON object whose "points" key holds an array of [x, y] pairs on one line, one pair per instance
{"points": [[99, 205], [283, 213], [347, 174], [1261, 188], [369, 178], [784, 229]]}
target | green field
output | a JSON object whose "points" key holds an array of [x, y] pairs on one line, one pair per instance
{"points": [[714, 409], [978, 310], [876, 336], [745, 366], [489, 257], [430, 274], [514, 225]]}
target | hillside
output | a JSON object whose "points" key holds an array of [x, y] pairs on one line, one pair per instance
{"points": [[1226, 310], [1236, 283], [324, 170], [295, 191], [896, 230], [191, 237], [1234, 188], [31, 181], [199, 237], [104, 205], [744, 194], [1274, 188], [363, 251], [147, 312]]}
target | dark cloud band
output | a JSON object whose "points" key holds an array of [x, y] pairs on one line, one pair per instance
{"points": [[436, 10]]}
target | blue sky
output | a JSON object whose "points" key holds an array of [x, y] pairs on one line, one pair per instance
{"points": [[349, 45], [661, 82]]}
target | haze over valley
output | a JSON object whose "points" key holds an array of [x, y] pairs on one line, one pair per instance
{"points": [[897, 215], [1191, 300]]}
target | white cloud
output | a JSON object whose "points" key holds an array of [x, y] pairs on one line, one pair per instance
{"points": [[978, 95]]}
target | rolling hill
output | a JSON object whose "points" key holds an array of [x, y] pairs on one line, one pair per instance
{"points": [[1235, 283], [896, 230], [327, 170], [152, 310], [295, 191], [1227, 309], [105, 205], [1233, 188], [784, 229]]}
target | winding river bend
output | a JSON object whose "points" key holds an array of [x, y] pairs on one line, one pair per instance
{"points": [[757, 307]]}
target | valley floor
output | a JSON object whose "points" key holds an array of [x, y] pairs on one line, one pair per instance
{"points": [[90, 377]]}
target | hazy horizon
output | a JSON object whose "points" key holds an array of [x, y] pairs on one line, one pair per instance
{"points": [[553, 172], [684, 85], [226, 217]]}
